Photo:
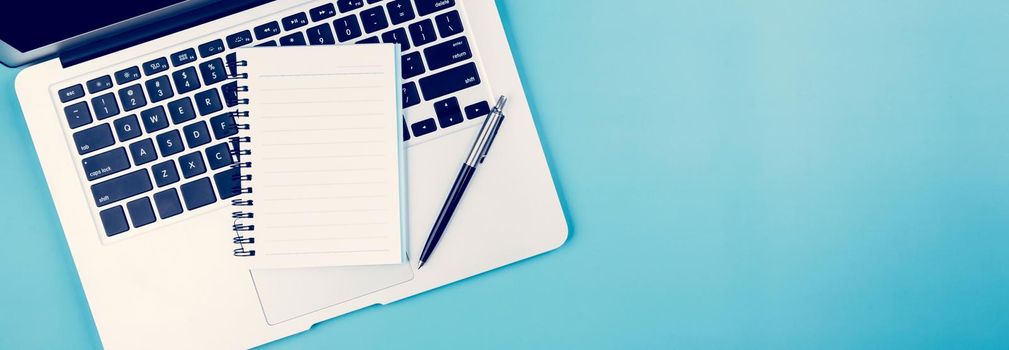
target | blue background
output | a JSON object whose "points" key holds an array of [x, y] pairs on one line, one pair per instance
{"points": [[736, 174]]}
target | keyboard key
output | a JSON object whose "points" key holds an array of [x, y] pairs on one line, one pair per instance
{"points": [[369, 40], [294, 39], [400, 11], [99, 84], [447, 53], [77, 114], [141, 212], [239, 39], [322, 12], [211, 48], [406, 131], [186, 80], [105, 106], [449, 24], [411, 65], [165, 173], [230, 92], [154, 119], [196, 134], [477, 110], [192, 164], [397, 36], [159, 89], [294, 21], [127, 75], [114, 221], [427, 7], [423, 127], [422, 32], [208, 102], [183, 57], [410, 95], [132, 97], [267, 43], [93, 139], [198, 193], [349, 5], [127, 128], [223, 125], [125, 186], [155, 66], [374, 19], [228, 183], [168, 203], [71, 93], [106, 163], [448, 112], [170, 143], [449, 81], [213, 71], [320, 35], [266, 30], [181, 110], [219, 156], [143, 152], [347, 28]]}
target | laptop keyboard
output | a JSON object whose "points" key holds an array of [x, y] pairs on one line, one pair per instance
{"points": [[154, 144]]}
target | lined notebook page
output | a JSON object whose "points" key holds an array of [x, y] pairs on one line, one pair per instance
{"points": [[326, 167]]}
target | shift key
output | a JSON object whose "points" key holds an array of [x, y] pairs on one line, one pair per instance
{"points": [[449, 81], [114, 190]]}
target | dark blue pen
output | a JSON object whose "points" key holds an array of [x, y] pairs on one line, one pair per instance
{"points": [[476, 156]]}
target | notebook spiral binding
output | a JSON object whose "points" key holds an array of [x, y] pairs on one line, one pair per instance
{"points": [[243, 216]]}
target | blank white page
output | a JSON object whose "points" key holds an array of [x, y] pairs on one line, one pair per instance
{"points": [[325, 130]]}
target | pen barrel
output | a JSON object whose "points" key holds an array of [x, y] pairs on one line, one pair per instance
{"points": [[454, 197]]}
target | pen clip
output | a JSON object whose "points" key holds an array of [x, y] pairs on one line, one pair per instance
{"points": [[491, 137]]}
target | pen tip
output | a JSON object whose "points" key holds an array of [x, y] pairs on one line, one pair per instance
{"points": [[420, 265]]}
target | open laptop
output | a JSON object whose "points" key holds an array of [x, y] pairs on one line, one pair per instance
{"points": [[109, 79]]}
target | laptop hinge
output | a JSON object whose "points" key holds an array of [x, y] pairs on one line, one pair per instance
{"points": [[154, 30]]}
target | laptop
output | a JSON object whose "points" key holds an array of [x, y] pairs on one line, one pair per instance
{"points": [[106, 79]]}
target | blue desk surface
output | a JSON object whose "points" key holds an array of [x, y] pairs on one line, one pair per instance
{"points": [[797, 174]]}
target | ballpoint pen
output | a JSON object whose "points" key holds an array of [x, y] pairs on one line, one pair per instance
{"points": [[476, 156]]}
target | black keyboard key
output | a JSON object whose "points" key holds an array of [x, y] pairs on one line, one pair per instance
{"points": [[449, 81], [411, 65], [427, 7], [155, 66], [198, 193], [423, 127], [400, 11], [71, 93], [397, 36], [228, 183], [406, 131], [186, 80], [320, 35], [99, 84], [374, 1], [293, 39], [449, 24], [165, 173], [267, 30], [239, 39], [208, 101], [77, 114], [141, 212], [422, 33], [448, 111], [154, 119], [447, 53], [181, 110], [211, 48], [477, 110], [230, 92], [223, 125], [127, 75], [219, 156], [127, 128], [347, 28], [322, 12], [410, 95], [105, 106], [373, 19], [183, 57], [114, 221], [125, 186], [196, 134], [192, 164], [294, 21], [143, 152], [93, 138], [349, 5], [159, 88], [168, 203], [369, 40], [106, 163], [267, 43], [132, 97], [170, 143], [213, 71]]}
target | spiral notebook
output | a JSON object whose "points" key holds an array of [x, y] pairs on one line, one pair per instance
{"points": [[319, 156]]}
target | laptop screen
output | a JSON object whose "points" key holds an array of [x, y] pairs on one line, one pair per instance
{"points": [[37, 23]]}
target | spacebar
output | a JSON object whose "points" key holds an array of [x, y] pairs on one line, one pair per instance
{"points": [[449, 81]]}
